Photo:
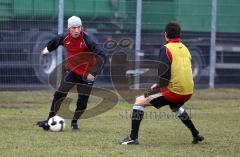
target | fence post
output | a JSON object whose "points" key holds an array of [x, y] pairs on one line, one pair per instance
{"points": [[213, 45], [138, 42], [60, 31]]}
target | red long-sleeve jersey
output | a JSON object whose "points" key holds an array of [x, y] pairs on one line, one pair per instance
{"points": [[82, 53]]}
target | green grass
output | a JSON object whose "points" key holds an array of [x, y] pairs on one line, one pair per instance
{"points": [[216, 114]]}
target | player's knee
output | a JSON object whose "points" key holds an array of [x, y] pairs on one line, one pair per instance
{"points": [[174, 109], [140, 100]]}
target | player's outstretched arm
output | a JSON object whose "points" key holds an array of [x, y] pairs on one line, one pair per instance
{"points": [[53, 44]]}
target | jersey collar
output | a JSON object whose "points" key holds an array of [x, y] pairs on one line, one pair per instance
{"points": [[174, 40]]}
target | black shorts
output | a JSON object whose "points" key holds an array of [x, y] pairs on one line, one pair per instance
{"points": [[158, 100], [71, 79]]}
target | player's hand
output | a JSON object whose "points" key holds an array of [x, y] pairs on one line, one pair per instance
{"points": [[90, 78], [45, 51]]}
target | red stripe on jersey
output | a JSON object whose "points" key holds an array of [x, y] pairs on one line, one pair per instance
{"points": [[169, 54]]}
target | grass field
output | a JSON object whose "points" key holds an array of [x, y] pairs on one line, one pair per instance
{"points": [[216, 114]]}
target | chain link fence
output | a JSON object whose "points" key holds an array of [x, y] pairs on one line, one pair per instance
{"points": [[27, 25]]}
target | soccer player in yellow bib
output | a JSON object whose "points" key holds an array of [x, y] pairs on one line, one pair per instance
{"points": [[175, 85]]}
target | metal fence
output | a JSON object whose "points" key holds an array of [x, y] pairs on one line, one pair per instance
{"points": [[27, 25]]}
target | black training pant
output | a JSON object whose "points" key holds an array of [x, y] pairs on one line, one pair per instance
{"points": [[69, 80]]}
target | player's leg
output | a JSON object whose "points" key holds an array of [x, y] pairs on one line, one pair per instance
{"points": [[138, 113], [84, 91], [67, 82], [65, 85], [182, 114]]}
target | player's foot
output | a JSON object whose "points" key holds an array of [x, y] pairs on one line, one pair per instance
{"points": [[43, 124], [129, 141], [75, 127], [197, 139]]}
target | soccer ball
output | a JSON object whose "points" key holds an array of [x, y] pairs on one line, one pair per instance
{"points": [[56, 123]]}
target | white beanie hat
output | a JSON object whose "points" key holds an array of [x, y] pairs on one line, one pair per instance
{"points": [[74, 21]]}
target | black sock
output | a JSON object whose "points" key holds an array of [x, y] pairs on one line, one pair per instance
{"points": [[184, 117], [51, 114], [77, 115], [137, 116]]}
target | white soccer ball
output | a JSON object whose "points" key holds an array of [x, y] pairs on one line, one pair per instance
{"points": [[56, 123]]}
